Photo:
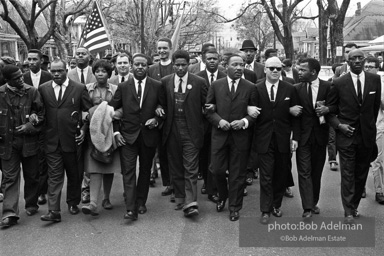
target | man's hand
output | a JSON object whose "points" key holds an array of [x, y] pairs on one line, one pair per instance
{"points": [[160, 112], [119, 140], [346, 129], [253, 111], [294, 145], [296, 110], [151, 123], [34, 119], [237, 124], [25, 128], [80, 139], [321, 111], [210, 108], [224, 125]]}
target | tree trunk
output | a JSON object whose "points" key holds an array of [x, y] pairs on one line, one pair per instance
{"points": [[323, 33]]}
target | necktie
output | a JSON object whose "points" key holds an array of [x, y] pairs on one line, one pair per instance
{"points": [[82, 77], [310, 93], [180, 90], [122, 79], [139, 90], [359, 93], [233, 88], [272, 93], [212, 77], [60, 95]]}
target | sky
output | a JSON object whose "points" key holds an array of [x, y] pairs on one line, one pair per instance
{"points": [[230, 9]]}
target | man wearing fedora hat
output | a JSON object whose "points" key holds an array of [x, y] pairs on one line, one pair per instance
{"points": [[250, 63]]}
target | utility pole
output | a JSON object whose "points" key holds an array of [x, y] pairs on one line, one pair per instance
{"points": [[142, 27]]}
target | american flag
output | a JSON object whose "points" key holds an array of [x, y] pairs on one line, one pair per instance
{"points": [[95, 36]]}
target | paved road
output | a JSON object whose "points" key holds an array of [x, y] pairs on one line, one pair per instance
{"points": [[164, 231]]}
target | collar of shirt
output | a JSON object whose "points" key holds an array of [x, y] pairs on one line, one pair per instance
{"points": [[64, 85], [230, 83], [184, 83], [214, 75], [36, 78], [142, 88], [85, 72], [362, 81], [125, 77], [202, 66], [36, 74], [269, 85], [94, 85], [251, 65], [315, 83], [165, 63]]}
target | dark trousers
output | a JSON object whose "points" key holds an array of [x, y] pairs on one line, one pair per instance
{"points": [[332, 152], [274, 170], [163, 159], [310, 159], [183, 159], [11, 180], [58, 162], [205, 167], [136, 194], [230, 158], [354, 167], [43, 167]]}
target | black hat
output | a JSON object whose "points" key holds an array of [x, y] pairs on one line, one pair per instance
{"points": [[248, 44]]}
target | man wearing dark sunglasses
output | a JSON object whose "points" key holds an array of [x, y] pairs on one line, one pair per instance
{"points": [[272, 137]]}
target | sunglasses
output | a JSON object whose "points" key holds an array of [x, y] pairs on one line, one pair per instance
{"points": [[273, 68]]}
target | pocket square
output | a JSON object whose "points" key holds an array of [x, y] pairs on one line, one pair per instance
{"points": [[372, 92], [287, 98]]}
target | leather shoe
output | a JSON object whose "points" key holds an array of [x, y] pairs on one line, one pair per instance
{"points": [[31, 211], [42, 199], [213, 198], [277, 212], [333, 167], [73, 209], [356, 214], [220, 205], [90, 209], [168, 191], [349, 219], [249, 181], [179, 206], [288, 193], [364, 195], [307, 214], [203, 189], [142, 209], [234, 215], [316, 210], [191, 211], [130, 215], [264, 219], [51, 216], [380, 198], [106, 204], [8, 222]]}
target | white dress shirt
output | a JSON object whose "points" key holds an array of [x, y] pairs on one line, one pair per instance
{"points": [[315, 90], [35, 78], [214, 75], [362, 81], [183, 84], [142, 88], [269, 85], [85, 72], [56, 88], [125, 78]]}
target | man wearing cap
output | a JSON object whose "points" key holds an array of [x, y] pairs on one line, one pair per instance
{"points": [[36, 77], [21, 117], [250, 63]]}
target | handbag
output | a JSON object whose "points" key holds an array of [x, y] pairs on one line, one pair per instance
{"points": [[103, 157]]}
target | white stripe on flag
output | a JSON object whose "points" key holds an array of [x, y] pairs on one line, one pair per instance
{"points": [[98, 46], [95, 31], [95, 39]]}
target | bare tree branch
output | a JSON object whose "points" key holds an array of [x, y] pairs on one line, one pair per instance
{"points": [[43, 8], [227, 20]]}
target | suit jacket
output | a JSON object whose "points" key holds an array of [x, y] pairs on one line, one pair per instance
{"points": [[250, 76], [295, 75], [154, 72], [340, 70], [381, 66], [114, 79], [59, 126], [72, 74], [275, 117], [231, 109], [258, 69], [134, 117], [309, 121], [193, 105], [195, 68], [45, 77], [347, 109], [288, 80]]}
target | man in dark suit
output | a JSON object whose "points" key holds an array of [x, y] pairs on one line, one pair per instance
{"points": [[210, 74], [63, 99], [122, 67], [311, 153], [272, 137], [183, 131], [35, 77], [343, 69], [200, 66], [290, 72], [250, 62], [139, 133], [227, 103], [381, 63], [157, 71], [356, 97]]}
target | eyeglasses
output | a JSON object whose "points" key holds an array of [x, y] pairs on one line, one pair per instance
{"points": [[273, 68], [369, 67]]}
